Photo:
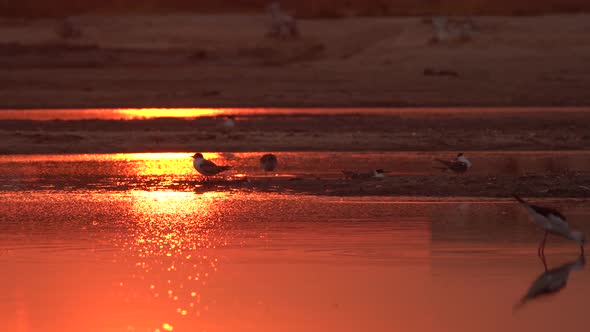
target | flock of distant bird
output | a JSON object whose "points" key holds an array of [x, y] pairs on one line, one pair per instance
{"points": [[550, 220]]}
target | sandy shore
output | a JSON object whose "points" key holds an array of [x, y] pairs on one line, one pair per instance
{"points": [[450, 131], [225, 60]]}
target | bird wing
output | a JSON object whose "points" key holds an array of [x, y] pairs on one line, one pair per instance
{"points": [[551, 214], [210, 167], [208, 163]]}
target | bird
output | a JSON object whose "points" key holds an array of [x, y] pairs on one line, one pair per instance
{"points": [[229, 123], [551, 221], [207, 167], [378, 173], [551, 281], [268, 162], [458, 165]]}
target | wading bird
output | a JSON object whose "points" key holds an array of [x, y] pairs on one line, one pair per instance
{"points": [[268, 162], [458, 165], [551, 221], [207, 167]]}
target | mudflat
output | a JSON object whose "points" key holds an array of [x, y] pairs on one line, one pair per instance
{"points": [[226, 61]]}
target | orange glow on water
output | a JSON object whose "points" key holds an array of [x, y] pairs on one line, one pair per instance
{"points": [[170, 247], [150, 113], [157, 164], [117, 114]]}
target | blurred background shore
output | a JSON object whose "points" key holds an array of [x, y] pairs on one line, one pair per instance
{"points": [[171, 59]]}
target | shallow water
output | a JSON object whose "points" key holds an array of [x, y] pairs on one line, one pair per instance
{"points": [[166, 171], [147, 261], [102, 256]]}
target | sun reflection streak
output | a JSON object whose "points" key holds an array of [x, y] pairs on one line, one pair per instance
{"points": [[172, 246], [148, 113], [178, 164]]}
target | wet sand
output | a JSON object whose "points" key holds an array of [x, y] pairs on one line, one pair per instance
{"points": [[225, 61], [410, 174], [403, 130]]}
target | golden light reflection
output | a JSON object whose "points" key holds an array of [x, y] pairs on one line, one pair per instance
{"points": [[168, 163], [148, 113], [114, 114], [172, 244]]}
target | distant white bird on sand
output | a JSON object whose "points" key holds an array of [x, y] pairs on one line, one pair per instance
{"points": [[551, 281], [207, 167], [229, 123], [458, 165], [552, 221], [269, 162], [378, 173]]}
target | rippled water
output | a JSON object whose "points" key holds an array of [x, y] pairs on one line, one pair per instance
{"points": [[149, 258]]}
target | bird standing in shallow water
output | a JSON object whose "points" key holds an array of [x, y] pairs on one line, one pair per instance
{"points": [[207, 167], [552, 221], [268, 162], [458, 165]]}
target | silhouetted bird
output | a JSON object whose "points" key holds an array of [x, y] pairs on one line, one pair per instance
{"points": [[207, 167], [551, 221], [268, 162]]}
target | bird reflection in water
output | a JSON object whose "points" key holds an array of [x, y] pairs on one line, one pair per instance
{"points": [[551, 281]]}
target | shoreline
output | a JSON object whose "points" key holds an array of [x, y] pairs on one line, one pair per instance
{"points": [[472, 187]]}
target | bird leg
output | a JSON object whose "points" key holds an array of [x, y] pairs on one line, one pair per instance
{"points": [[541, 249], [543, 261]]}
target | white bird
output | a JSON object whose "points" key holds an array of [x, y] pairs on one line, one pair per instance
{"points": [[378, 173], [282, 25], [551, 281], [552, 221], [268, 162], [229, 123], [207, 167], [458, 165]]}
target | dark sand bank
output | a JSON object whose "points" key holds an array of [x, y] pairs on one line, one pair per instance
{"points": [[451, 131]]}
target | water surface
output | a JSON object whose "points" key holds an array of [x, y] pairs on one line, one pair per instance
{"points": [[83, 250]]}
